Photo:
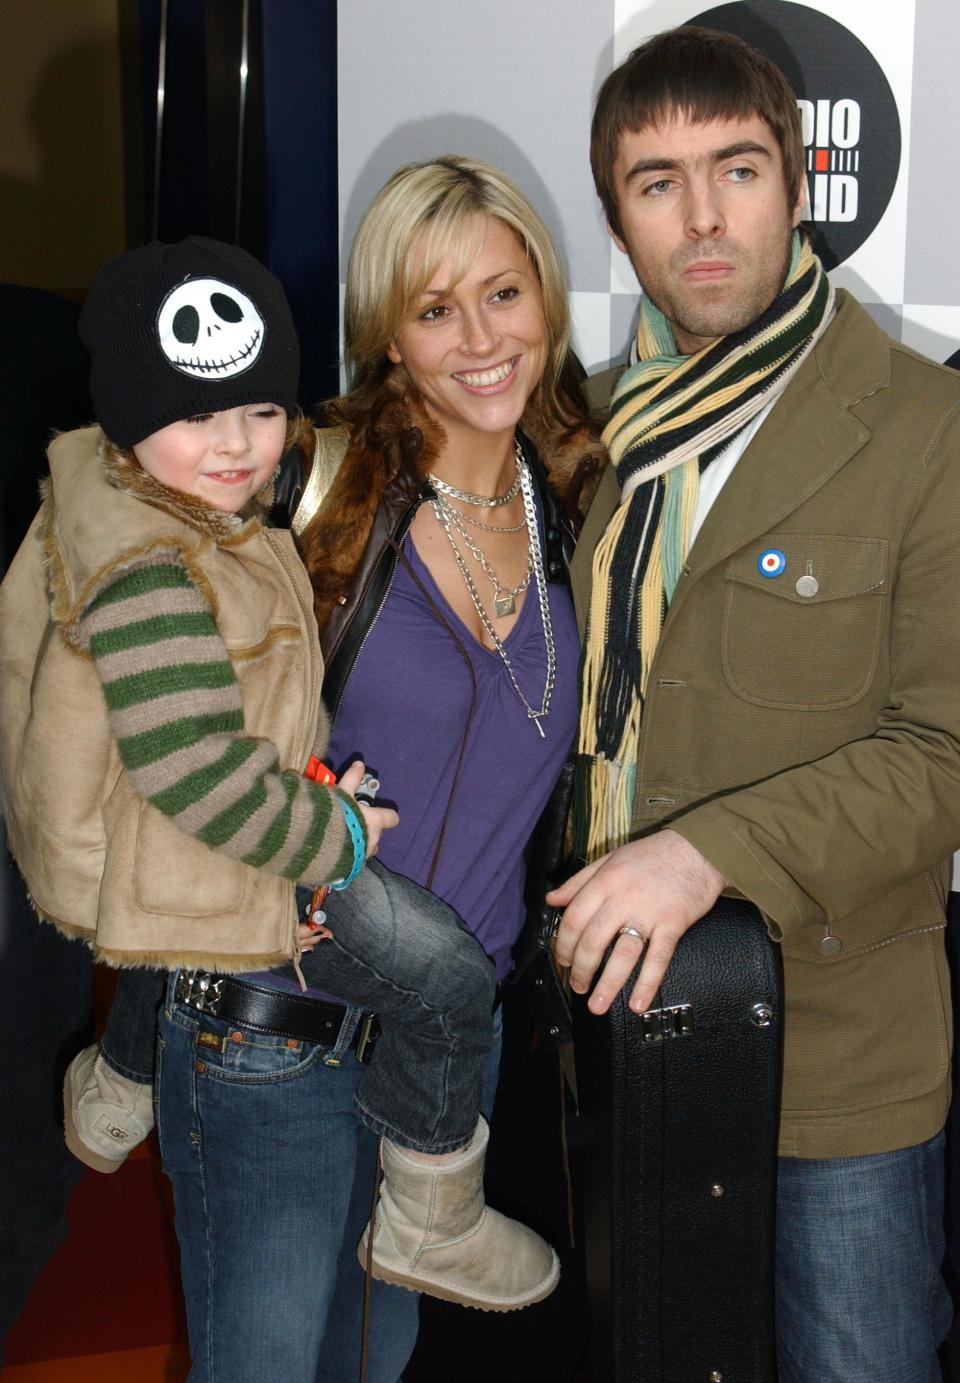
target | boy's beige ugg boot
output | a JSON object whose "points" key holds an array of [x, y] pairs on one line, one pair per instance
{"points": [[434, 1234], [105, 1115]]}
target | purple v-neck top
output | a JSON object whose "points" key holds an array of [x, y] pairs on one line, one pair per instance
{"points": [[403, 711]]}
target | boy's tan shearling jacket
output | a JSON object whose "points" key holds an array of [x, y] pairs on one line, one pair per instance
{"points": [[100, 862], [809, 745]]}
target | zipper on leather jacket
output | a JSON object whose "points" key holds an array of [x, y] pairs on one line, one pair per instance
{"points": [[402, 529], [359, 648]]}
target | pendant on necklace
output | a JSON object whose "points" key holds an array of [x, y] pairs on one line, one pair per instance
{"points": [[504, 605]]}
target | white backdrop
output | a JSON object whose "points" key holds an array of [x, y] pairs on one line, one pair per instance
{"points": [[514, 83]]}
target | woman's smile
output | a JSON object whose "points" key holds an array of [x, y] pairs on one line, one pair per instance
{"points": [[492, 380]]}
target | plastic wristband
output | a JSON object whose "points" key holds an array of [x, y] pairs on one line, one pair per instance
{"points": [[355, 827]]}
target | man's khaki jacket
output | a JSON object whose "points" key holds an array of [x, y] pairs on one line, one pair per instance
{"points": [[809, 744]]}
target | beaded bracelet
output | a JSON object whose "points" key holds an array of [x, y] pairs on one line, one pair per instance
{"points": [[355, 827]]}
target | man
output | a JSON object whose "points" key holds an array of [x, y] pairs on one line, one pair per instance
{"points": [[768, 577]]}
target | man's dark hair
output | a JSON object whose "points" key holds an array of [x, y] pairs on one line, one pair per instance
{"points": [[702, 74]]}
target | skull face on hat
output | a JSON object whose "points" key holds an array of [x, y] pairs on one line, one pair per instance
{"points": [[178, 330], [209, 329]]}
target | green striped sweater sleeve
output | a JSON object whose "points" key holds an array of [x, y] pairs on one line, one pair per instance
{"points": [[176, 711]]}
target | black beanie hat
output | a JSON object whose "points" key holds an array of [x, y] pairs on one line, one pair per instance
{"points": [[177, 330]]}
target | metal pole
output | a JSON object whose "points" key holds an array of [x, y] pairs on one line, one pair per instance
{"points": [[158, 145], [241, 123]]}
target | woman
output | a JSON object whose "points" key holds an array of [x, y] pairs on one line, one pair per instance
{"points": [[436, 558]]}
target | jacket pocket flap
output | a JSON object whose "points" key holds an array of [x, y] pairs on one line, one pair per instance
{"points": [[812, 568]]}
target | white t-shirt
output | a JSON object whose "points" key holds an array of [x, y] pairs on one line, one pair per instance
{"points": [[721, 467]]}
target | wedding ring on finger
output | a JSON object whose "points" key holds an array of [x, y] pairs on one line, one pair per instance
{"points": [[632, 931]]}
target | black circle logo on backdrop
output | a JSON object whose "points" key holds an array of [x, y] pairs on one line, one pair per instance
{"points": [[851, 126]]}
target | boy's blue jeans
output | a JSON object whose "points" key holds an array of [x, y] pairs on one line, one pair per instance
{"points": [[400, 952]]}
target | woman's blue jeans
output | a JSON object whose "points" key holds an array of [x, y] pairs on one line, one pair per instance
{"points": [[273, 1177], [860, 1296]]}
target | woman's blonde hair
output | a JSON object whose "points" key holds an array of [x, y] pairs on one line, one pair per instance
{"points": [[418, 218]]}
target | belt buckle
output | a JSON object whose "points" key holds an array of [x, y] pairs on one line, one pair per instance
{"points": [[200, 990], [365, 1037]]}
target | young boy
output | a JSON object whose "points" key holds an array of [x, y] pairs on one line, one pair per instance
{"points": [[161, 680]]}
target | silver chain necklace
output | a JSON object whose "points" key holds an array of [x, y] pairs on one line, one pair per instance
{"points": [[491, 527], [535, 558], [504, 597], [481, 501]]}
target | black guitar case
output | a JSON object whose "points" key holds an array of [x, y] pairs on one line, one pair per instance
{"points": [[680, 1109]]}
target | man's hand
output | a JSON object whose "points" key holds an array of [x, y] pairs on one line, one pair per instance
{"points": [[660, 886]]}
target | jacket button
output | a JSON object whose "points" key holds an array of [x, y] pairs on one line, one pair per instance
{"points": [[831, 946]]}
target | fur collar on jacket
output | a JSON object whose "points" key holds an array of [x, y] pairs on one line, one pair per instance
{"points": [[96, 521], [126, 474], [401, 440]]}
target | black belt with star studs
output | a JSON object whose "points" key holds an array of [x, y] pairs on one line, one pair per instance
{"points": [[274, 1011]]}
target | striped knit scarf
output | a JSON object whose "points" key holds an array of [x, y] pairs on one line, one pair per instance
{"points": [[670, 416]]}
